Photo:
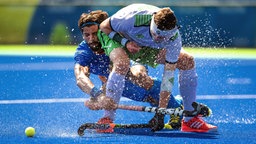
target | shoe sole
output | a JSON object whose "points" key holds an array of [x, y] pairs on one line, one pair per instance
{"points": [[201, 131]]}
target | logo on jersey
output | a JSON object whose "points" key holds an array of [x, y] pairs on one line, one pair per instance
{"points": [[171, 80], [174, 37], [140, 36]]}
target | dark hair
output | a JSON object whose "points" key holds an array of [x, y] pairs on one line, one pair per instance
{"points": [[165, 19], [94, 17]]}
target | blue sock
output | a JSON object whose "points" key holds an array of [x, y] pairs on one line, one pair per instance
{"points": [[114, 90], [188, 85]]}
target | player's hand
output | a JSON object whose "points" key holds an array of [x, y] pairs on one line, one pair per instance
{"points": [[132, 47], [157, 122], [107, 103], [93, 104]]}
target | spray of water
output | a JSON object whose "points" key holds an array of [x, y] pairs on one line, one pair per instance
{"points": [[199, 32]]}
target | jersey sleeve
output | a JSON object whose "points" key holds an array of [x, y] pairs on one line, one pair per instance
{"points": [[121, 21], [124, 20], [173, 49], [83, 55]]}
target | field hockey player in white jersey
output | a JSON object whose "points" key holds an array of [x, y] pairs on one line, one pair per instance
{"points": [[150, 35]]}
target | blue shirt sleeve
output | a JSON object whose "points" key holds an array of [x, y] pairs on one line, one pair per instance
{"points": [[97, 63], [83, 54]]}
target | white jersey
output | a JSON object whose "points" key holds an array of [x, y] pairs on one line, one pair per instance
{"points": [[133, 22]]}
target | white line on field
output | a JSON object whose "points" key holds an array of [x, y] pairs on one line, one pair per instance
{"points": [[37, 66], [205, 97], [34, 101], [81, 100]]}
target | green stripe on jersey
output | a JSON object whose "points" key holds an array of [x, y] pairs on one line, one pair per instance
{"points": [[175, 36], [142, 20]]}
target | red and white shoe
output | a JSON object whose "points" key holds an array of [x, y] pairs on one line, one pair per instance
{"points": [[105, 120], [197, 125]]}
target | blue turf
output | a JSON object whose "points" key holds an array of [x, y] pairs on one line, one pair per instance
{"points": [[35, 78]]}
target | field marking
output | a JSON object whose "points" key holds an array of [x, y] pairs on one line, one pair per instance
{"points": [[37, 66], [81, 100], [216, 97], [36, 101], [70, 65]]}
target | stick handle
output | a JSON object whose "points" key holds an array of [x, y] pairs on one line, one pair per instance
{"points": [[169, 111], [199, 109], [131, 107]]}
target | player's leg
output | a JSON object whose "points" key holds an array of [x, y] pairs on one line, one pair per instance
{"points": [[115, 84], [141, 87], [188, 85], [138, 74], [187, 79], [116, 79], [153, 57], [153, 96]]}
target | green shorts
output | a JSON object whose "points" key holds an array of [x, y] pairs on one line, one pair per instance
{"points": [[106, 43], [146, 56]]}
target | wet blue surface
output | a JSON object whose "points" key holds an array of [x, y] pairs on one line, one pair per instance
{"points": [[39, 78]]}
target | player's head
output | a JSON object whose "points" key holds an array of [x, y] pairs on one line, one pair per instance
{"points": [[89, 25], [163, 25]]}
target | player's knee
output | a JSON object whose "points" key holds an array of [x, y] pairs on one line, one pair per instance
{"points": [[138, 70], [186, 62], [122, 66], [191, 63]]}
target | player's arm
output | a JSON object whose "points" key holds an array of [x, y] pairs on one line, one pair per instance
{"points": [[104, 83], [167, 84], [97, 100], [172, 53], [83, 81], [138, 75], [171, 57], [106, 27], [157, 122]]}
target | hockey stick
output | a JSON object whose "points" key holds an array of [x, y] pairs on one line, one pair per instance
{"points": [[199, 109], [85, 126]]}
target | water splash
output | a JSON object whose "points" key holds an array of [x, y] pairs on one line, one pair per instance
{"points": [[204, 34]]}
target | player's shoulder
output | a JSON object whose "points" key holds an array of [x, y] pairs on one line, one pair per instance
{"points": [[136, 9], [142, 7], [142, 20], [84, 48], [142, 13], [83, 45]]}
